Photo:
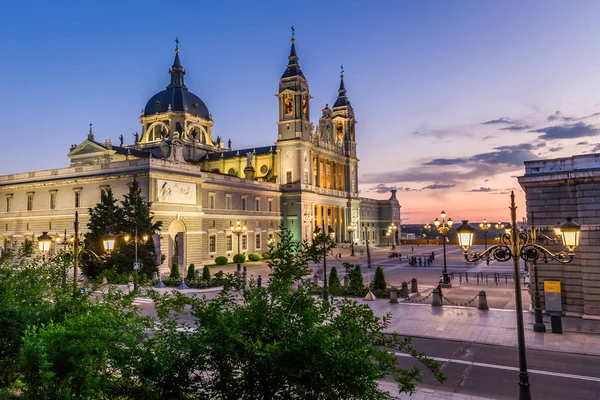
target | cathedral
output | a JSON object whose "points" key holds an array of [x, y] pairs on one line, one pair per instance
{"points": [[199, 187]]}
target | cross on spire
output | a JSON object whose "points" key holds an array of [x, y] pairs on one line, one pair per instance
{"points": [[342, 68], [90, 134], [176, 44], [293, 31]]}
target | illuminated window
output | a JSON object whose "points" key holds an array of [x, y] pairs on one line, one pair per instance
{"points": [[244, 242], [212, 244], [257, 241], [229, 242]]}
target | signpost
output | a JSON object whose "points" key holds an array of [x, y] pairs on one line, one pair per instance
{"points": [[552, 297]]}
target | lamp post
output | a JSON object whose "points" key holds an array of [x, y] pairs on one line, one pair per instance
{"points": [[522, 245], [443, 228], [485, 226], [392, 229], [351, 229], [324, 239], [238, 230], [499, 228], [44, 243], [136, 265], [388, 235]]}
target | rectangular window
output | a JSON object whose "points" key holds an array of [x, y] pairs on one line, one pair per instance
{"points": [[306, 176], [228, 202], [9, 203], [257, 204], [243, 203], [77, 199], [212, 244], [211, 201], [53, 200], [270, 201], [288, 177], [257, 241], [244, 242], [29, 202], [229, 242]]}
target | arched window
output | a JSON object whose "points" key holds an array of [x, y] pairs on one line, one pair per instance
{"points": [[231, 172]]}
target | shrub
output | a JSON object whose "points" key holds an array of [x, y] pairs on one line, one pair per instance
{"points": [[356, 285], [242, 258], [175, 274], [191, 275], [254, 256], [221, 260], [335, 286], [172, 281], [266, 255], [206, 274], [219, 279], [379, 282]]}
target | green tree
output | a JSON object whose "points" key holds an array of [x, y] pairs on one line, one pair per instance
{"points": [[356, 284], [191, 273], [335, 286], [175, 274], [105, 217], [206, 273], [379, 282], [278, 343], [136, 217]]}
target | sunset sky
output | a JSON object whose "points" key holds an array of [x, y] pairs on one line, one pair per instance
{"points": [[450, 96]]}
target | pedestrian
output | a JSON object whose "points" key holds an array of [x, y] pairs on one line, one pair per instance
{"points": [[439, 288], [259, 281], [412, 248], [129, 286]]}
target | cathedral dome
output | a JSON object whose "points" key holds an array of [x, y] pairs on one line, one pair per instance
{"points": [[180, 99], [176, 97]]}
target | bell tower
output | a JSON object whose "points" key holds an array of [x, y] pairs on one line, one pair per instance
{"points": [[294, 101], [343, 120]]}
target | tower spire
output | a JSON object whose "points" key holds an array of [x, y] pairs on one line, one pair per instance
{"points": [[342, 100], [176, 70], [293, 68]]}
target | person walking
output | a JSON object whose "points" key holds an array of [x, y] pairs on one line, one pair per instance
{"points": [[439, 288], [259, 281]]}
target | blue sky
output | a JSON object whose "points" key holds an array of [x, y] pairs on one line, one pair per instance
{"points": [[423, 77]]}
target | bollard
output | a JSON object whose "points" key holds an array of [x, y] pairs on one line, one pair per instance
{"points": [[467, 277], [316, 280], [245, 275], [477, 279], [413, 286], [404, 290], [506, 279], [436, 301], [452, 275], [486, 279], [346, 281], [394, 295], [460, 278], [483, 301]]}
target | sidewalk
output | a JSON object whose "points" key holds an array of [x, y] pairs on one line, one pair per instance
{"points": [[494, 326], [425, 394]]}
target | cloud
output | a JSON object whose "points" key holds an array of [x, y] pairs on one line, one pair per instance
{"points": [[506, 155], [567, 131], [559, 116], [596, 148], [481, 189], [438, 186], [582, 143], [516, 128], [502, 120], [488, 137], [383, 188], [555, 149]]}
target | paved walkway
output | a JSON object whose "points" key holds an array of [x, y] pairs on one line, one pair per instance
{"points": [[492, 327], [426, 394]]}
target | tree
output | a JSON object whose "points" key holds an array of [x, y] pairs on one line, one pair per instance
{"points": [[356, 284], [136, 217], [175, 274], [206, 273], [379, 282], [105, 217], [191, 274], [335, 286], [278, 343]]}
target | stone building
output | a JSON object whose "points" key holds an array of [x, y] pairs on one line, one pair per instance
{"points": [[569, 187], [199, 186]]}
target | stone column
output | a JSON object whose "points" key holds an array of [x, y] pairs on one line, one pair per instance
{"points": [[318, 182]]}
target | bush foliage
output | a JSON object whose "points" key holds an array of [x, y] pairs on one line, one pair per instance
{"points": [[221, 260], [241, 257], [254, 256]]}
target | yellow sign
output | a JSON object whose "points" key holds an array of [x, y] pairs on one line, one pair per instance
{"points": [[552, 286]]}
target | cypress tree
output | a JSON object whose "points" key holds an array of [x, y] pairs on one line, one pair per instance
{"points": [[379, 282], [191, 274], [335, 286], [175, 272], [356, 281], [206, 273]]}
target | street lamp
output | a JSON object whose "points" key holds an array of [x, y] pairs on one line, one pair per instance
{"points": [[108, 241], [388, 235], [44, 243], [136, 265], [485, 226], [392, 230], [443, 228], [522, 245], [351, 229], [238, 230], [499, 227]]}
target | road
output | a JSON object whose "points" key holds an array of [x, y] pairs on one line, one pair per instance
{"points": [[492, 371]]}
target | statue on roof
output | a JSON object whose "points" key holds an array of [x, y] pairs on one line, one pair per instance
{"points": [[229, 144], [121, 140], [249, 159]]}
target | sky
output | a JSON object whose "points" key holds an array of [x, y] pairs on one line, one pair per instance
{"points": [[451, 97]]}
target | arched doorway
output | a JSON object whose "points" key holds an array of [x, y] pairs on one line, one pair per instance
{"points": [[177, 245]]}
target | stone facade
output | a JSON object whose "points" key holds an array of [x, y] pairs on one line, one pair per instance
{"points": [[199, 187], [569, 187]]}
